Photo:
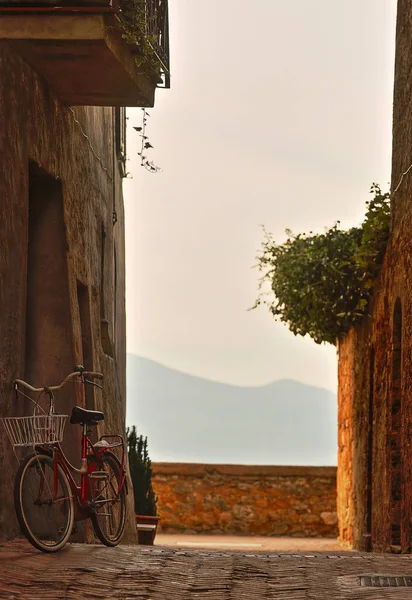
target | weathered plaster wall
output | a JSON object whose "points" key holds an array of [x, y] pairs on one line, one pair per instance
{"points": [[368, 423], [35, 126], [246, 500]]}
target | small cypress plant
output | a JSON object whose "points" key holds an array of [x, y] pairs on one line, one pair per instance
{"points": [[140, 465]]}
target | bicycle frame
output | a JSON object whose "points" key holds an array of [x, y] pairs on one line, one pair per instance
{"points": [[82, 492], [96, 490]]}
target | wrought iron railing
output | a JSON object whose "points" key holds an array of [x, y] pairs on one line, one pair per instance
{"points": [[158, 26]]}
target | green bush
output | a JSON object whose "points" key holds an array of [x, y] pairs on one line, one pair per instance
{"points": [[141, 474], [321, 284], [134, 22]]}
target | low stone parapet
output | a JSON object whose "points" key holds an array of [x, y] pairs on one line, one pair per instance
{"points": [[246, 500]]}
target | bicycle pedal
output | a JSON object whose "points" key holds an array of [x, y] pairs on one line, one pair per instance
{"points": [[98, 475]]}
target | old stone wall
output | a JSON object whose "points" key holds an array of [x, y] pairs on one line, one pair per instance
{"points": [[375, 361], [246, 500], [370, 510], [62, 265]]}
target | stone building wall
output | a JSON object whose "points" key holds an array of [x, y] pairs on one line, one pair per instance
{"points": [[62, 265], [375, 362], [246, 500]]}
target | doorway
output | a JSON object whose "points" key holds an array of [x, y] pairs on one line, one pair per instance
{"points": [[49, 354]]}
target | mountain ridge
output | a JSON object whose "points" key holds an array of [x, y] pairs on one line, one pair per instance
{"points": [[193, 419], [206, 379]]}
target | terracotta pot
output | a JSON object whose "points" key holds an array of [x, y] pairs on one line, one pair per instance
{"points": [[146, 529]]}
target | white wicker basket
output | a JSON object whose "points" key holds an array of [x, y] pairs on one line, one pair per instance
{"points": [[35, 430]]}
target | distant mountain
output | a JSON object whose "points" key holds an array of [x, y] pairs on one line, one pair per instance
{"points": [[190, 419]]}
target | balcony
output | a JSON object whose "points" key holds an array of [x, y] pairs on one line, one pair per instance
{"points": [[86, 51]]}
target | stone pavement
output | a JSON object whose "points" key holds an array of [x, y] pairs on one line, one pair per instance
{"points": [[82, 572]]}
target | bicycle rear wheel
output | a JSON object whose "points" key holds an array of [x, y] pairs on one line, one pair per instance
{"points": [[109, 499], [45, 517]]}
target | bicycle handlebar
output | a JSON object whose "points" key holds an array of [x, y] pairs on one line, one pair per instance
{"points": [[93, 374], [52, 388]]}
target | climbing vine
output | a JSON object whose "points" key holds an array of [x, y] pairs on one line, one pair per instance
{"points": [[145, 145], [136, 25], [321, 283]]}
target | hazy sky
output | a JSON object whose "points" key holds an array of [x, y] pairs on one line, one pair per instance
{"points": [[279, 114]]}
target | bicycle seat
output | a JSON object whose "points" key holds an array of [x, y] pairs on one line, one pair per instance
{"points": [[81, 415]]}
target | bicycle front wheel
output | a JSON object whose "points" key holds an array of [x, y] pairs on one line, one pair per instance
{"points": [[44, 507], [109, 499]]}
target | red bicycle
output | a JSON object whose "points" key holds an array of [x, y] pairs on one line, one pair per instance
{"points": [[47, 498]]}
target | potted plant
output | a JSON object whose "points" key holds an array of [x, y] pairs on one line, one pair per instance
{"points": [[145, 500]]}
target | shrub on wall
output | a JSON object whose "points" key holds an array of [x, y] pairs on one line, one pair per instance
{"points": [[321, 283]]}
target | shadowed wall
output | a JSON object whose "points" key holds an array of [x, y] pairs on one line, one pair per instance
{"points": [[56, 199]]}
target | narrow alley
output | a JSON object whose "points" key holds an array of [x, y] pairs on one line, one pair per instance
{"points": [[84, 572]]}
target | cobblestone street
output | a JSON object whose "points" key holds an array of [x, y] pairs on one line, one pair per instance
{"points": [[84, 572]]}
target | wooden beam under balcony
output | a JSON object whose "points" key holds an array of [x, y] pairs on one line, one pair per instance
{"points": [[83, 57]]}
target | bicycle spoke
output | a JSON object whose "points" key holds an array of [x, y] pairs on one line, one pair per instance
{"points": [[51, 512], [109, 482], [46, 515], [109, 515], [45, 478]]}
